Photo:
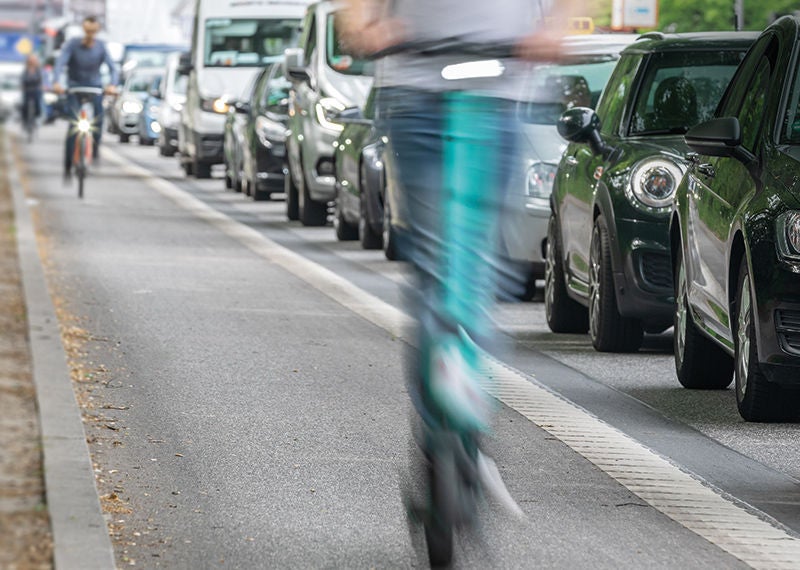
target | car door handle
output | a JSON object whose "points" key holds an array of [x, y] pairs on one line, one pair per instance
{"points": [[571, 160], [706, 170]]}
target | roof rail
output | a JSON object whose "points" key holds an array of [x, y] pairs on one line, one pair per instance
{"points": [[651, 36]]}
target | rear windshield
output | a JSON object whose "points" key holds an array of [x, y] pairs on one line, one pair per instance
{"points": [[339, 58], [248, 43], [681, 89], [552, 89], [140, 83]]}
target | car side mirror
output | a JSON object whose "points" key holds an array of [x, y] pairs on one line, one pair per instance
{"points": [[294, 68], [582, 125], [719, 137], [351, 115], [242, 107], [185, 66]]}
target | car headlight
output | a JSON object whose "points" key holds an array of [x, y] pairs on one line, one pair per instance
{"points": [[218, 105], [328, 105], [155, 127], [787, 227], [654, 181], [132, 107], [539, 180], [269, 131]]}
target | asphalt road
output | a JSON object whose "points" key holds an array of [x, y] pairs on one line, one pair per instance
{"points": [[248, 420]]}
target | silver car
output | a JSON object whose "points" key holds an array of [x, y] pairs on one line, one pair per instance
{"points": [[325, 80], [550, 90]]}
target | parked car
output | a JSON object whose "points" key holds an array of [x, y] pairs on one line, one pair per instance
{"points": [[149, 127], [360, 186], [735, 235], [264, 141], [128, 107], [608, 259], [232, 138], [231, 41], [173, 95], [549, 91], [325, 79]]}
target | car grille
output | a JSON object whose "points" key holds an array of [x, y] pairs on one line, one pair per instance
{"points": [[787, 325], [656, 270]]}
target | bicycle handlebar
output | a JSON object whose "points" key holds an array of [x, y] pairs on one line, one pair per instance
{"points": [[85, 91]]}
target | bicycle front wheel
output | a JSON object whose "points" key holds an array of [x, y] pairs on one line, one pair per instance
{"points": [[81, 166]]}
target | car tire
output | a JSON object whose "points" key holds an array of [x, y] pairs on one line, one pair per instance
{"points": [[310, 213], [609, 331], [758, 399], [290, 188], [202, 170], [165, 151], [188, 168], [370, 239], [700, 363], [389, 235], [125, 139], [345, 231], [228, 177], [564, 315]]}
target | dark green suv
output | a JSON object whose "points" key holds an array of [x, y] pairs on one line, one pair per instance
{"points": [[736, 237], [607, 264]]}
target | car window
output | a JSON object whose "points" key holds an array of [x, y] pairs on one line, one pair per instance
{"points": [[339, 58], [139, 83], [792, 119], [277, 94], [612, 101], [246, 42], [751, 116], [552, 89], [681, 89], [311, 41]]}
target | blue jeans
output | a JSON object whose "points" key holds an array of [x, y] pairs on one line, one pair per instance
{"points": [[449, 159], [73, 112]]}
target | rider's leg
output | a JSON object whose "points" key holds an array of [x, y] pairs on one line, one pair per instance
{"points": [[73, 109], [98, 124]]}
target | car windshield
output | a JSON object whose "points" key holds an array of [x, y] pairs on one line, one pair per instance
{"points": [[552, 89], [247, 43], [139, 83], [681, 89], [791, 127], [339, 58], [147, 58]]}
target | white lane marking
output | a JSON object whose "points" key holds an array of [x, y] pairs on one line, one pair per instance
{"points": [[752, 537]]}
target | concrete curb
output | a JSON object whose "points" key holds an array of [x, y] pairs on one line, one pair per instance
{"points": [[80, 534]]}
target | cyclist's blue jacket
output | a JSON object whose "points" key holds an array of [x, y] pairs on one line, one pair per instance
{"points": [[83, 64]]}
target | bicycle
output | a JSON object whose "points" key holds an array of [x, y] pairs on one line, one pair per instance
{"points": [[453, 409], [84, 136]]}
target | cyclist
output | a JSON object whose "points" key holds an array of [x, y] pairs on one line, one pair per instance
{"points": [[450, 121], [83, 58], [32, 80]]}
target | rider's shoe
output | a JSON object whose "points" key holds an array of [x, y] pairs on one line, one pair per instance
{"points": [[67, 178]]}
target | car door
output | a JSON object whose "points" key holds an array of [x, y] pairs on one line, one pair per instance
{"points": [[250, 139], [718, 186], [302, 97]]}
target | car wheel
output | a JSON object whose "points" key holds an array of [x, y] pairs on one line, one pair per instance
{"points": [[370, 239], [564, 315], [188, 168], [228, 177], [124, 138], [290, 188], [699, 362], [758, 400], [389, 234], [310, 213], [345, 231], [165, 151], [610, 331], [202, 169]]}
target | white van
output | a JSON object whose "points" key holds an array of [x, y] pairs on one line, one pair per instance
{"points": [[231, 41]]}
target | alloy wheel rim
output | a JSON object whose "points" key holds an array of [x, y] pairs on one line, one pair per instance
{"points": [[743, 341], [681, 314], [594, 285], [549, 277]]}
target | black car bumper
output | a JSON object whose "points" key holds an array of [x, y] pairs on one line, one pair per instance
{"points": [[643, 273], [208, 148], [270, 167]]}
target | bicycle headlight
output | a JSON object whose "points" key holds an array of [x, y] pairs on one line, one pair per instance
{"points": [[325, 106], [132, 107], [654, 181], [787, 228], [269, 131], [84, 126], [539, 180]]}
